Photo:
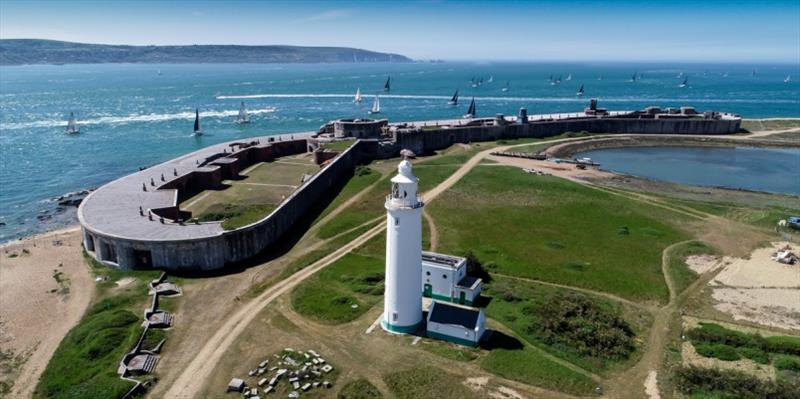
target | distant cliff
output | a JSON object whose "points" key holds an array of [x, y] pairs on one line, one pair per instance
{"points": [[36, 51]]}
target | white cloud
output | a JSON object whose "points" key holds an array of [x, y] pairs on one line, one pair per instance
{"points": [[329, 15]]}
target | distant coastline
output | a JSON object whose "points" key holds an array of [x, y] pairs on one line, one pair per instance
{"points": [[53, 52]]}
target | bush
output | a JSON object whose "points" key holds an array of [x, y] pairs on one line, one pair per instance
{"points": [[718, 351], [475, 268], [574, 320], [756, 355], [791, 363], [363, 170], [703, 382], [359, 389]]}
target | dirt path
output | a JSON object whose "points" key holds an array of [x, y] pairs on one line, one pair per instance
{"points": [[36, 311], [434, 232]]}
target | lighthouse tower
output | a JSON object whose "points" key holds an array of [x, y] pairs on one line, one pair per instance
{"points": [[402, 312]]}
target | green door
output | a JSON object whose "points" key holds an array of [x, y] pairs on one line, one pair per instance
{"points": [[462, 297], [427, 291]]}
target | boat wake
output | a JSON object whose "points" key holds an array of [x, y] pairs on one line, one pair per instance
{"points": [[570, 99], [140, 118]]}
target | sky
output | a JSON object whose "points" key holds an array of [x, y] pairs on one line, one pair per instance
{"points": [[672, 30]]}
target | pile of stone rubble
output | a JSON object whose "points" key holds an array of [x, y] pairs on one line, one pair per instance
{"points": [[301, 371]]}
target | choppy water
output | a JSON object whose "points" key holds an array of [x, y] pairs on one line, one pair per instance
{"points": [[752, 168], [131, 117]]}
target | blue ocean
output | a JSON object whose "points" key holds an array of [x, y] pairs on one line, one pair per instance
{"points": [[131, 116]]}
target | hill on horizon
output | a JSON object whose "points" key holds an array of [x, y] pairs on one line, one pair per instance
{"points": [[40, 51]]}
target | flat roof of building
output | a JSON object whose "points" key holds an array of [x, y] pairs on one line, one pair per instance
{"points": [[445, 313], [113, 209], [441, 260]]}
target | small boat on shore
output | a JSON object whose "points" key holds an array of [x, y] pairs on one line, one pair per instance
{"points": [[242, 118], [72, 125], [471, 111], [197, 131], [376, 106], [454, 99]]}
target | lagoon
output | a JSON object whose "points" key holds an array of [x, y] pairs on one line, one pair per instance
{"points": [[775, 170]]}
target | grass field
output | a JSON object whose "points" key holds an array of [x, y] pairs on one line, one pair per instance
{"points": [[427, 382], [359, 389], [588, 331], [530, 367], [681, 275], [554, 230], [241, 202], [339, 145]]}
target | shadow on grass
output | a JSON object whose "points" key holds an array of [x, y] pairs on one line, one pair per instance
{"points": [[499, 340]]}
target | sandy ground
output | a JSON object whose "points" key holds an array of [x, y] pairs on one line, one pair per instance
{"points": [[759, 289], [703, 263], [691, 357], [651, 385], [563, 170], [35, 310]]}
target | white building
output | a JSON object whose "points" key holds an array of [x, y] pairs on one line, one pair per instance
{"points": [[402, 312], [444, 278], [453, 323]]}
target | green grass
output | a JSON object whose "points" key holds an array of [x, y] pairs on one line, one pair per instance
{"points": [[718, 351], [362, 178], [713, 340], [427, 382], [450, 351], [342, 291], [681, 275], [585, 330], [785, 362], [339, 145], [696, 382], [511, 219], [85, 363], [530, 367], [234, 216], [755, 214], [359, 389]]}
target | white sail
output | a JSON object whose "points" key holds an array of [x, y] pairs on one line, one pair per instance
{"points": [[491, 79], [357, 98], [242, 118], [72, 124], [788, 78], [569, 77], [376, 106]]}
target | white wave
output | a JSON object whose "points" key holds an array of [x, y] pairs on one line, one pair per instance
{"points": [[136, 118], [570, 99]]}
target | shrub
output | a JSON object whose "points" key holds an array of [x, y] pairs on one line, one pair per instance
{"points": [[476, 269], [756, 355], [703, 382], [718, 351], [363, 170], [791, 363], [574, 320]]}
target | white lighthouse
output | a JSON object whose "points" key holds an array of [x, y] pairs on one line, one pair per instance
{"points": [[402, 312]]}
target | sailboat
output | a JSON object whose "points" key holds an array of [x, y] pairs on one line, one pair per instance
{"points": [[788, 78], [376, 106], [474, 82], [72, 125], [505, 89], [569, 77], [580, 91], [491, 79], [197, 131], [159, 72], [388, 85], [454, 99], [754, 72], [242, 118], [471, 111], [357, 98], [600, 77], [633, 78], [725, 75], [684, 83], [558, 80]]}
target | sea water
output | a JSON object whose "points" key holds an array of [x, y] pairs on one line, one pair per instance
{"points": [[131, 116]]}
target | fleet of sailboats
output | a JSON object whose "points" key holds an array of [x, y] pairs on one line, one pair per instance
{"points": [[242, 118], [72, 125]]}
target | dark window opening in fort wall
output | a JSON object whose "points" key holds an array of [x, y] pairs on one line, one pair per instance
{"points": [[143, 259], [108, 252]]}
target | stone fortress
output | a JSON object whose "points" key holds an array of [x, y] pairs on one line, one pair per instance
{"points": [[136, 222]]}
